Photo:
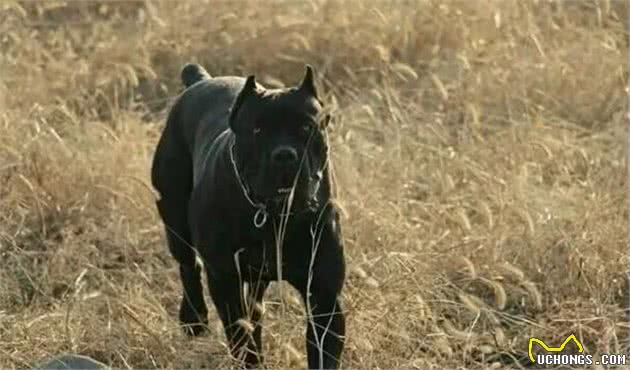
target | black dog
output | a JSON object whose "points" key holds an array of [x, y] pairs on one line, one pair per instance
{"points": [[243, 178]]}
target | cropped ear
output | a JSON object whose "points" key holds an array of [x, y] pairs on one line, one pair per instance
{"points": [[248, 90], [308, 83]]}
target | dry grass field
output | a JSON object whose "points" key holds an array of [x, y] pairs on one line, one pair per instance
{"points": [[478, 150]]}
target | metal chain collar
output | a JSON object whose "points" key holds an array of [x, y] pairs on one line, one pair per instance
{"points": [[260, 217]]}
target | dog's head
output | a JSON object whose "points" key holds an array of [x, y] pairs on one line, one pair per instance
{"points": [[280, 140]]}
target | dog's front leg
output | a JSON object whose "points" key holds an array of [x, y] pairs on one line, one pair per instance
{"points": [[325, 330], [241, 320], [320, 291]]}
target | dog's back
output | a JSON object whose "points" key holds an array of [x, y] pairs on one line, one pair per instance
{"points": [[198, 116]]}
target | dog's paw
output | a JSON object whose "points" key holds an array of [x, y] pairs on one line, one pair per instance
{"points": [[193, 323], [250, 361], [195, 329]]}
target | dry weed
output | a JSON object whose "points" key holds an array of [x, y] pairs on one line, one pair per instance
{"points": [[478, 152]]}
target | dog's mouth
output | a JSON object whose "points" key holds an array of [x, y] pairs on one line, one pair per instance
{"points": [[288, 187], [282, 194], [284, 191], [284, 185]]}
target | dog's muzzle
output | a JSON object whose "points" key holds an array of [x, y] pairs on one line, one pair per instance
{"points": [[284, 163], [262, 208], [283, 193]]}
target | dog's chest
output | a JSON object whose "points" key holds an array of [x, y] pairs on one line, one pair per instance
{"points": [[269, 259], [259, 261]]}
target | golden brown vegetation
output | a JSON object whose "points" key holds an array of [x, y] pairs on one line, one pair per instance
{"points": [[478, 148]]}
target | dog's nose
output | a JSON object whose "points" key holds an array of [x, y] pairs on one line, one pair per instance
{"points": [[284, 156]]}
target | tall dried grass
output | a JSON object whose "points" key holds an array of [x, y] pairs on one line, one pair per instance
{"points": [[478, 147]]}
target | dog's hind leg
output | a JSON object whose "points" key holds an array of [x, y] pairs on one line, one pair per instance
{"points": [[193, 311], [172, 177]]}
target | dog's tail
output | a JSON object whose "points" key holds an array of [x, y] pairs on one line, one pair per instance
{"points": [[192, 73]]}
